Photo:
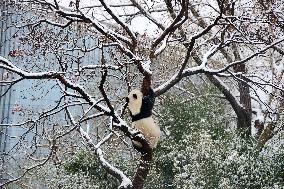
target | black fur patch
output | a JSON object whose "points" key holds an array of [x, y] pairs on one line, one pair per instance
{"points": [[135, 96], [147, 106]]}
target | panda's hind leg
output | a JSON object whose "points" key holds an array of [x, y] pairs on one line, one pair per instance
{"points": [[137, 145]]}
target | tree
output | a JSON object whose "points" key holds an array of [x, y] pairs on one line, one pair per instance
{"points": [[226, 41], [199, 151]]}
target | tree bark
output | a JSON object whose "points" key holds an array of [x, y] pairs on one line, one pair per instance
{"points": [[146, 152], [142, 170], [244, 121], [243, 112], [265, 136]]}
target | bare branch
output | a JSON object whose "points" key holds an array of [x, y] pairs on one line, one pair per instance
{"points": [[261, 51], [121, 23], [147, 14], [27, 170], [177, 22], [125, 182]]}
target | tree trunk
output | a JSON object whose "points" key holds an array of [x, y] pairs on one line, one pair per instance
{"points": [[142, 170], [243, 112], [146, 152], [244, 120], [265, 136]]}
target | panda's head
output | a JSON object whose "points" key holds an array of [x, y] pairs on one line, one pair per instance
{"points": [[134, 101]]}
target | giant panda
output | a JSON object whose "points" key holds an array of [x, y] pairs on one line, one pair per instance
{"points": [[141, 113]]}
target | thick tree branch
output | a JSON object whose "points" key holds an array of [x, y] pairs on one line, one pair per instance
{"points": [[177, 22], [182, 72]]}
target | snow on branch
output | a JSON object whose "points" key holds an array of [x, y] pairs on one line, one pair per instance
{"points": [[180, 19], [27, 170], [183, 72], [53, 75], [120, 22], [84, 17], [147, 14], [125, 182], [263, 50], [39, 22], [176, 78], [162, 47]]}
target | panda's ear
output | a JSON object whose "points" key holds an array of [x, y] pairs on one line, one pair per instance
{"points": [[135, 96]]}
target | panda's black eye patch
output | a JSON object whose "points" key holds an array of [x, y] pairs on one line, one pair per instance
{"points": [[135, 96]]}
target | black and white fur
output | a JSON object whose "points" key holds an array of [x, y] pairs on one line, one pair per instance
{"points": [[141, 113]]}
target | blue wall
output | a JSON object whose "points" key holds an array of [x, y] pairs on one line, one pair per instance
{"points": [[28, 98]]}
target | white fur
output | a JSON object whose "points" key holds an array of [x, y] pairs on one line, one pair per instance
{"points": [[134, 105], [146, 126], [150, 130]]}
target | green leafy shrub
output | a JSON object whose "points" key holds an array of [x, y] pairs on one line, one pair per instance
{"points": [[202, 150], [86, 163]]}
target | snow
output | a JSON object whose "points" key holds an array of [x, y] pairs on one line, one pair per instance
{"points": [[143, 25], [125, 183], [146, 66], [6, 61], [85, 135], [175, 77], [125, 180], [207, 55], [162, 47], [108, 66]]}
